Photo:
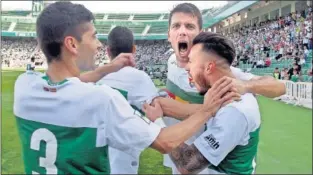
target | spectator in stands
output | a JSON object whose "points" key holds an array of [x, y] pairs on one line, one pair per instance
{"points": [[268, 61], [284, 74], [292, 70], [260, 64], [306, 53], [302, 60], [284, 38], [276, 74], [295, 76]]}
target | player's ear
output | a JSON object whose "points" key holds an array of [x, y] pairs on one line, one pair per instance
{"points": [[71, 44], [209, 67], [134, 49]]}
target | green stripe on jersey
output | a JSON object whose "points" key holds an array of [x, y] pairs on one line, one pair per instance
{"points": [[52, 83], [68, 150], [125, 94], [241, 159], [191, 97]]}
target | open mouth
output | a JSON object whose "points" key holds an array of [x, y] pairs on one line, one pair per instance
{"points": [[183, 48]]}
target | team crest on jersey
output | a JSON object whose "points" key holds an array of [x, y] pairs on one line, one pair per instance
{"points": [[48, 89], [144, 118]]}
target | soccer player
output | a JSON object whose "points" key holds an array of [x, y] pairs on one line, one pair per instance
{"points": [[66, 125], [134, 84], [185, 23], [230, 141]]}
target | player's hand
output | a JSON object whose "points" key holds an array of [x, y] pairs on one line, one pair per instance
{"points": [[123, 60], [220, 94], [153, 112], [240, 85]]}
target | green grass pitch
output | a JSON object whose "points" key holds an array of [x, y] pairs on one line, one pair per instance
{"points": [[285, 143]]}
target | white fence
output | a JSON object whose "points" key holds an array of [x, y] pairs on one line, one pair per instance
{"points": [[299, 93]]}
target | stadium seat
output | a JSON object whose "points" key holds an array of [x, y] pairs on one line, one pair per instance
{"points": [[121, 16], [146, 16], [158, 29]]}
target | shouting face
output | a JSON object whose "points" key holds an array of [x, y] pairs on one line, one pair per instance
{"points": [[183, 29]]}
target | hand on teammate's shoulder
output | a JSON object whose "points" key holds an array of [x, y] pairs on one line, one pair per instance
{"points": [[153, 111], [123, 60]]}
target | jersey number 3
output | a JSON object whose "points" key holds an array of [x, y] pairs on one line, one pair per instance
{"points": [[51, 149]]}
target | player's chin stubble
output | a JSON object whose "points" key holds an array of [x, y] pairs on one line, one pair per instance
{"points": [[203, 85]]}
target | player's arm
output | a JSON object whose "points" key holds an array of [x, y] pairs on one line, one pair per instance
{"points": [[122, 60], [131, 133], [266, 86], [263, 85], [147, 92], [227, 130], [175, 109], [143, 90], [172, 136]]}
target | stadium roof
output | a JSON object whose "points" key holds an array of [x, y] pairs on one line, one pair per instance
{"points": [[143, 25]]}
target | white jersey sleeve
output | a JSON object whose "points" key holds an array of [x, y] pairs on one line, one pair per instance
{"points": [[144, 91], [223, 133], [238, 73], [126, 129]]}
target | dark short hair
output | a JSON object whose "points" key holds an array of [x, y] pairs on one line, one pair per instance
{"points": [[58, 20], [120, 40], [218, 44], [187, 8]]}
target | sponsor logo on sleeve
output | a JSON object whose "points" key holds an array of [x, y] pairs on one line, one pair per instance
{"points": [[213, 143]]}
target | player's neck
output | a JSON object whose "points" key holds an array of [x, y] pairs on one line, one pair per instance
{"points": [[60, 70], [220, 74], [181, 64]]}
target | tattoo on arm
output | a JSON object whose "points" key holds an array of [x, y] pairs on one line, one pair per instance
{"points": [[188, 159]]}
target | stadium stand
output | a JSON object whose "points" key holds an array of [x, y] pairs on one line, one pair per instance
{"points": [[166, 16], [99, 16], [25, 27], [146, 16], [5, 26], [15, 13], [261, 47], [158, 29], [17, 52], [281, 42], [118, 16], [104, 28]]}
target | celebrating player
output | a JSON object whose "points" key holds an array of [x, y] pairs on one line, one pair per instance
{"points": [[185, 23], [66, 125], [230, 141], [134, 84]]}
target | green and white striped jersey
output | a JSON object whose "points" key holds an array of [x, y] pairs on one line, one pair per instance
{"points": [[183, 90], [66, 127]]}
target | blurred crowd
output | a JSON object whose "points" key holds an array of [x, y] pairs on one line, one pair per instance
{"points": [[17, 53], [284, 39]]}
